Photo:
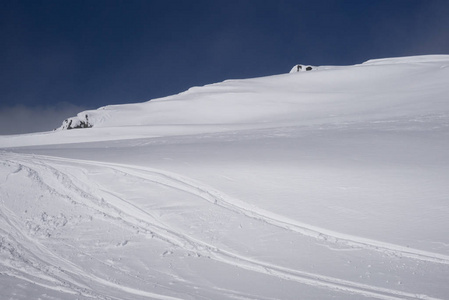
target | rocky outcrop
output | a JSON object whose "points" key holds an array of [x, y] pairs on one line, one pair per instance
{"points": [[76, 122], [302, 68]]}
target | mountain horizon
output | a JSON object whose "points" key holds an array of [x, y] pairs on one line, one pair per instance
{"points": [[322, 182]]}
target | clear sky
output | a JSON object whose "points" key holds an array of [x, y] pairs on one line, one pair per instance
{"points": [[58, 57]]}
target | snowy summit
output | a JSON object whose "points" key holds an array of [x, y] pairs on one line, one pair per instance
{"points": [[330, 183]]}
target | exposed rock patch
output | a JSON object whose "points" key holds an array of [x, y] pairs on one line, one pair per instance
{"points": [[76, 123], [302, 68]]}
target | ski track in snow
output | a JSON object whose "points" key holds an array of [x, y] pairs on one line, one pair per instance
{"points": [[123, 212], [41, 264], [214, 196]]}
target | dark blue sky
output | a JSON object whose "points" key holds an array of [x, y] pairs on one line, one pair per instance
{"points": [[80, 54]]}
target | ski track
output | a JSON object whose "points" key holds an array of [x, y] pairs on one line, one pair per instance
{"points": [[214, 196], [120, 211], [41, 269], [45, 264]]}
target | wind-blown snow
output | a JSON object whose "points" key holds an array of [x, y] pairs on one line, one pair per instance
{"points": [[309, 185]]}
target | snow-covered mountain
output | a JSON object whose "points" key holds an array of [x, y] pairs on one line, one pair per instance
{"points": [[324, 184]]}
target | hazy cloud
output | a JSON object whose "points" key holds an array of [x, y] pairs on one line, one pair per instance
{"points": [[22, 119]]}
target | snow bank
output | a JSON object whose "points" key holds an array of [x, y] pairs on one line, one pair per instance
{"points": [[350, 93]]}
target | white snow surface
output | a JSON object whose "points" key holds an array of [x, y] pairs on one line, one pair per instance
{"points": [[329, 184]]}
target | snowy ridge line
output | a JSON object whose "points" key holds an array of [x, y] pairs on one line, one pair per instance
{"points": [[227, 257], [212, 195]]}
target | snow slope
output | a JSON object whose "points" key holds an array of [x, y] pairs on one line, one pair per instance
{"points": [[328, 184]]}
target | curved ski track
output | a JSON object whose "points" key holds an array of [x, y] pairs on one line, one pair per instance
{"points": [[42, 266], [119, 210]]}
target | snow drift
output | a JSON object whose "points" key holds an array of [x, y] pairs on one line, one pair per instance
{"points": [[296, 98], [312, 185]]}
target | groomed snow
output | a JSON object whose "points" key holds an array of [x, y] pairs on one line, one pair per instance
{"points": [[328, 184]]}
